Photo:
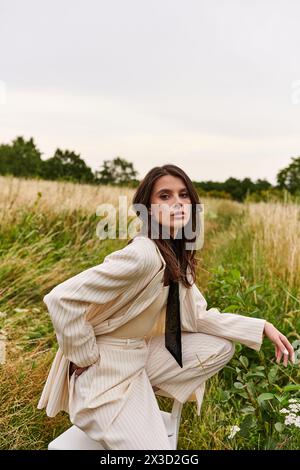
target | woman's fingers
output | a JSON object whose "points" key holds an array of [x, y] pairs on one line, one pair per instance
{"points": [[282, 345], [285, 349], [79, 370], [76, 369], [289, 347], [279, 353], [277, 350]]}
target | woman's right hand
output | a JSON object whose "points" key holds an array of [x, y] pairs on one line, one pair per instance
{"points": [[282, 344], [78, 370]]}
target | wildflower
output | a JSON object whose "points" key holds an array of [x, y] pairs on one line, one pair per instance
{"points": [[284, 410], [291, 413], [292, 419], [295, 407], [233, 431]]}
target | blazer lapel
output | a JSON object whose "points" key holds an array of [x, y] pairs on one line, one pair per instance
{"points": [[146, 296], [143, 299]]}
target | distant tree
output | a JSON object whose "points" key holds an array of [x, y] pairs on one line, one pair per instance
{"points": [[20, 158], [236, 189], [67, 165], [6, 159], [289, 177], [117, 171], [219, 194], [262, 185]]}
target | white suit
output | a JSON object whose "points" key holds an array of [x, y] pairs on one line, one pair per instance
{"points": [[104, 297]]}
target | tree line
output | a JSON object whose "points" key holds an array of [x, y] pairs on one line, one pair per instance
{"points": [[22, 158]]}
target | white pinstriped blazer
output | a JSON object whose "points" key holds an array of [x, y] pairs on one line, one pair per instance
{"points": [[104, 297]]}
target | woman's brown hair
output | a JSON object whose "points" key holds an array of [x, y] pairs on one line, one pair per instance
{"points": [[187, 261]]}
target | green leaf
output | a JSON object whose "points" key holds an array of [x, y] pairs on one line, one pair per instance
{"points": [[279, 398], [252, 288], [246, 425], [232, 308], [272, 374], [279, 427], [289, 388], [225, 395], [239, 296], [239, 385], [244, 361], [248, 409], [235, 274], [251, 388], [255, 374], [264, 396]]}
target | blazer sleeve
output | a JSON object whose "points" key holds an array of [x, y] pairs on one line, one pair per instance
{"points": [[240, 328], [68, 301]]}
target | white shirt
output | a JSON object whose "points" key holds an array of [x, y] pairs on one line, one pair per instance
{"points": [[149, 322]]}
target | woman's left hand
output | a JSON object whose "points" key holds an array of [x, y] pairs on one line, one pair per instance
{"points": [[76, 369], [282, 344]]}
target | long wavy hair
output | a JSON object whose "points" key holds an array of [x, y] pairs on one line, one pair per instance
{"points": [[184, 261]]}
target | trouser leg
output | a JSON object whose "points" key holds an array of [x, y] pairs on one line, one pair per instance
{"points": [[113, 401], [139, 425], [203, 356]]}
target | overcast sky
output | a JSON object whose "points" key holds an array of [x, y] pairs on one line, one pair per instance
{"points": [[210, 85]]}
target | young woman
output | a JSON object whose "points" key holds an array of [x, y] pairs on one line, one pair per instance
{"points": [[137, 323]]}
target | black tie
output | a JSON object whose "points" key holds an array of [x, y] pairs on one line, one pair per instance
{"points": [[173, 326]]}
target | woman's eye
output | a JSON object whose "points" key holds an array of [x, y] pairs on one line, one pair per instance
{"points": [[164, 196]]}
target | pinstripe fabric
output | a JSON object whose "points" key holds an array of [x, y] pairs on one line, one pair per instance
{"points": [[145, 324], [102, 298], [122, 411], [113, 401]]}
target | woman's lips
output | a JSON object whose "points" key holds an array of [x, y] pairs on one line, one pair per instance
{"points": [[178, 214]]}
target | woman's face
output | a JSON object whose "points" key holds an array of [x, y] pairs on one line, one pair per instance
{"points": [[170, 203]]}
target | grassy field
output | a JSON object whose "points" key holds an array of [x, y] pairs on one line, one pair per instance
{"points": [[249, 264]]}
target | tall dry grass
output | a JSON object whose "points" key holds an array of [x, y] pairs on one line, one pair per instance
{"points": [[275, 229], [54, 197], [58, 196]]}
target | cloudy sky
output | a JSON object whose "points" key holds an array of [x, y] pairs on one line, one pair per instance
{"points": [[210, 85]]}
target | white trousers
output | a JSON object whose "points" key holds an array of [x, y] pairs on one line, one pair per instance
{"points": [[113, 400]]}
